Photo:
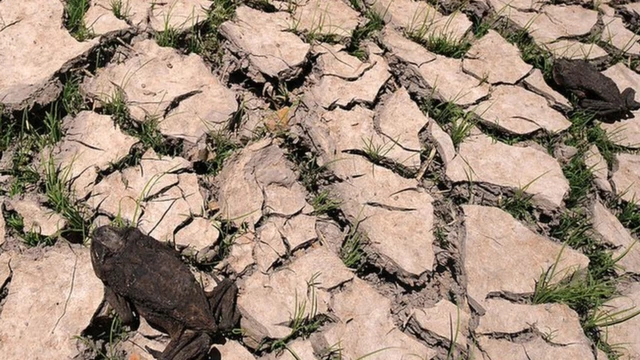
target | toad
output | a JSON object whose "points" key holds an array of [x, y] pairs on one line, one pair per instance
{"points": [[144, 276], [596, 92]]}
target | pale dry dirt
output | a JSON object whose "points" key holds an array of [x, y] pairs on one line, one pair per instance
{"points": [[289, 108]]}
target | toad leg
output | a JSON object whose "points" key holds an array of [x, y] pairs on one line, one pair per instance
{"points": [[121, 306]]}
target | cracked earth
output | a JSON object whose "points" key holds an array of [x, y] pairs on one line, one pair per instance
{"points": [[383, 179]]}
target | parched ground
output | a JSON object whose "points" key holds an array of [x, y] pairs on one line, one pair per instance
{"points": [[387, 179]]}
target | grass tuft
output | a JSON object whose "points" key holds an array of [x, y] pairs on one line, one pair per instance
{"points": [[29, 237], [75, 11], [580, 180], [325, 203], [60, 198], [120, 9], [519, 205], [72, 100], [451, 118], [375, 23], [222, 147], [351, 253]]}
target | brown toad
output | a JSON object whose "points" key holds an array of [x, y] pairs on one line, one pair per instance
{"points": [[596, 92], [143, 275]]}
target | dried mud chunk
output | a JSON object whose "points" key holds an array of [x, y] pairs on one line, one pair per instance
{"points": [[51, 301], [554, 22], [268, 301], [31, 31], [37, 218], [366, 329], [535, 83], [573, 49], [536, 349], [264, 40], [259, 179], [617, 35], [520, 111], [449, 82], [496, 60], [596, 163], [624, 132], [625, 333], [325, 17], [504, 317], [401, 120], [525, 5], [395, 214], [153, 79], [100, 17], [518, 255], [346, 80], [609, 228], [623, 76], [440, 318], [91, 143], [482, 160], [159, 16], [626, 177], [422, 19], [124, 193], [405, 50]]}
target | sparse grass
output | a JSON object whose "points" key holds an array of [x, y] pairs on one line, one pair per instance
{"points": [[53, 126], [580, 292], [529, 51], [169, 35], [584, 132], [334, 352], [72, 100], [150, 136], [574, 229], [580, 124], [629, 216], [605, 318], [147, 131], [116, 106], [120, 9], [452, 118], [222, 148], [579, 289], [351, 253], [519, 205], [26, 141], [205, 39], [30, 237], [375, 23], [60, 197], [110, 347], [584, 291], [580, 180], [597, 136], [375, 151], [8, 131], [75, 11], [316, 33], [311, 174], [305, 319], [324, 203], [440, 41]]}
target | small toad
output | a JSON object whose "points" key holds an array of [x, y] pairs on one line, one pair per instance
{"points": [[145, 276], [596, 92]]}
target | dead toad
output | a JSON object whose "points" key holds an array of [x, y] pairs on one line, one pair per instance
{"points": [[596, 92], [143, 275]]}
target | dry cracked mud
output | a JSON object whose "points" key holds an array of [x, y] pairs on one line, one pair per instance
{"points": [[383, 179]]}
